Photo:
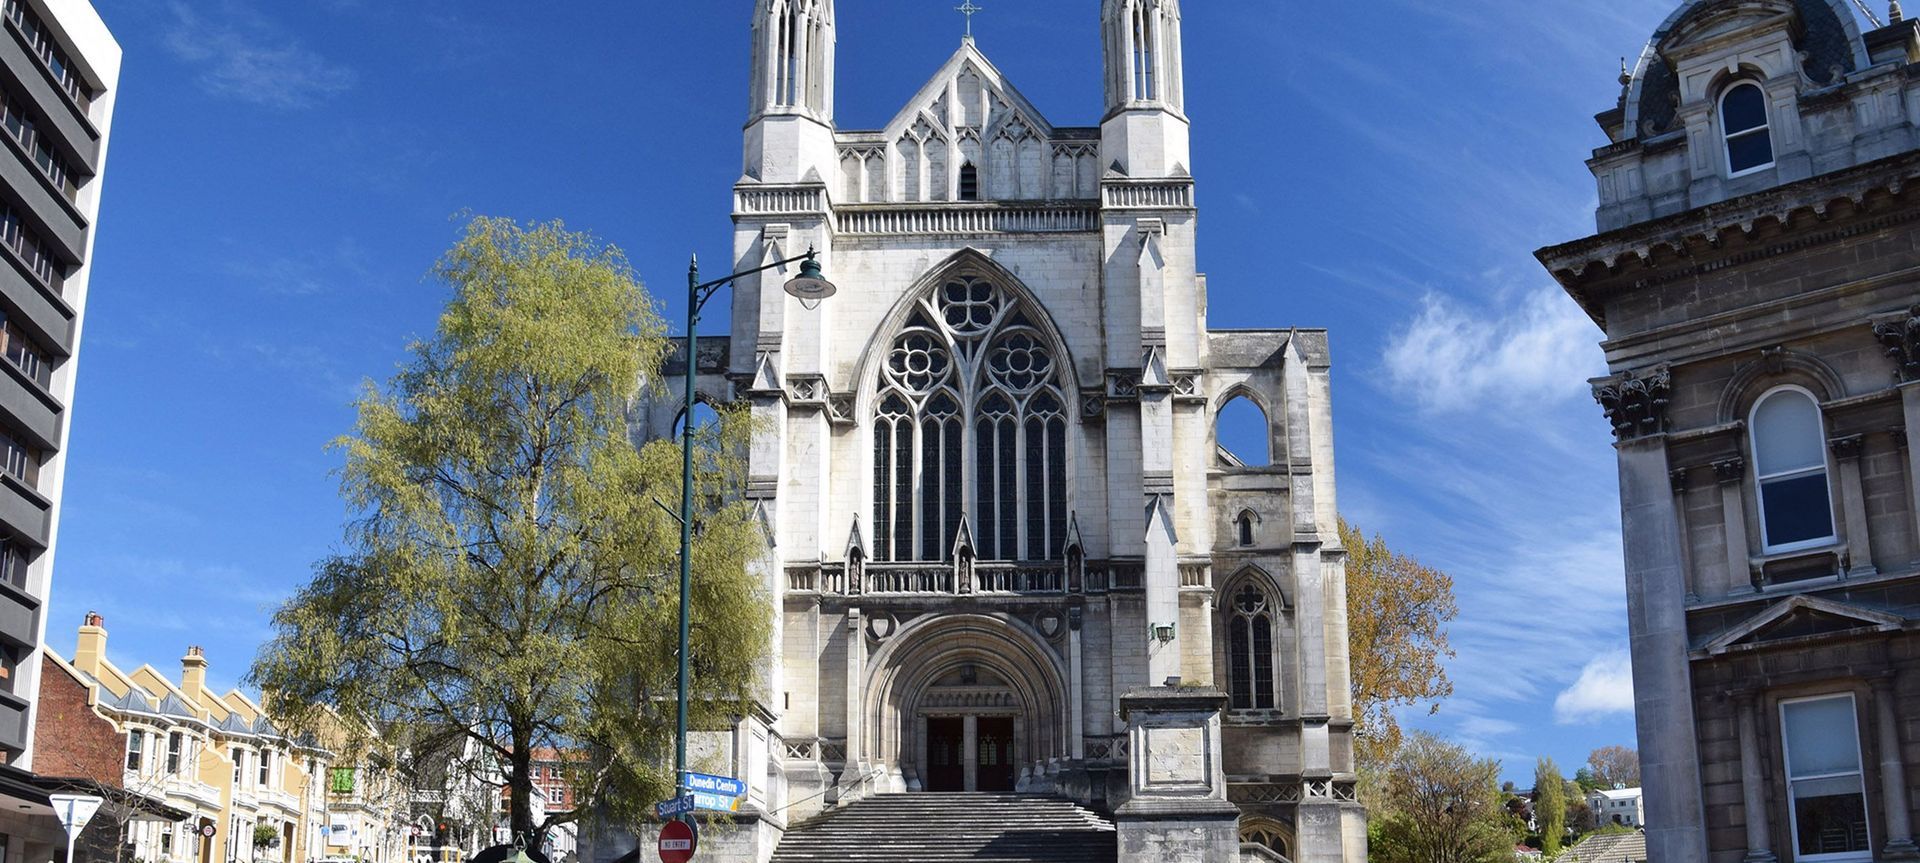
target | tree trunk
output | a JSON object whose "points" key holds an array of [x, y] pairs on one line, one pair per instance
{"points": [[520, 792]]}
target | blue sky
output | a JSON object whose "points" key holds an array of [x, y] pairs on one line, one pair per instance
{"points": [[282, 176]]}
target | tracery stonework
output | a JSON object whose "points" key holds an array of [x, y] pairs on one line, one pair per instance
{"points": [[999, 520]]}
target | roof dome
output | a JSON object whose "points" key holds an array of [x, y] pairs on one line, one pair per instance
{"points": [[1825, 33]]}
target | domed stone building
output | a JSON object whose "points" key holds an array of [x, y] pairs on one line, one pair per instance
{"points": [[1757, 275]]}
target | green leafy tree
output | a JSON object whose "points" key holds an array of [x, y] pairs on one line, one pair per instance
{"points": [[1549, 805], [510, 570], [1437, 803], [1584, 778], [1397, 612]]}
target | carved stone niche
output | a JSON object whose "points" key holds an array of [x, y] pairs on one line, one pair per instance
{"points": [[1636, 402], [1900, 334]]}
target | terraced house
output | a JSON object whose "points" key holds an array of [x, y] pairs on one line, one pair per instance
{"points": [[244, 791]]}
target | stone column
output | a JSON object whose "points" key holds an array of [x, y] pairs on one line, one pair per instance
{"points": [[1910, 400], [1678, 476], [1732, 474], [1853, 505], [1899, 438], [1893, 775], [856, 677], [1076, 618], [1753, 791], [1656, 607], [970, 751]]}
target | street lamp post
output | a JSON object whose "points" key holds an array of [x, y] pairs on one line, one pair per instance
{"points": [[810, 288]]}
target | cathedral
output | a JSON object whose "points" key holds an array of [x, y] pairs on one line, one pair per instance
{"points": [[1006, 551]]}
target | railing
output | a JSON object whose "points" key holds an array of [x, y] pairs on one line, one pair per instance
{"points": [[1019, 578], [1149, 195], [970, 578], [912, 220], [777, 200]]}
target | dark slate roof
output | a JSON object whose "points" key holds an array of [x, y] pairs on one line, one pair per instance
{"points": [[1823, 40], [233, 724], [264, 728]]}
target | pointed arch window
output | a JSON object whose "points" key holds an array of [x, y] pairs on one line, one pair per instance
{"points": [[1145, 34], [1250, 649], [970, 417], [1243, 528], [969, 182]]}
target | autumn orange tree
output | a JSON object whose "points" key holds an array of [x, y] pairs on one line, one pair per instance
{"points": [[1615, 765], [1397, 611]]}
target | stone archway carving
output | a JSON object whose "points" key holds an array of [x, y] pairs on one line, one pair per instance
{"points": [[1027, 684]]}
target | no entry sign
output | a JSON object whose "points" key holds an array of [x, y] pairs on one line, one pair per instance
{"points": [[677, 842]]}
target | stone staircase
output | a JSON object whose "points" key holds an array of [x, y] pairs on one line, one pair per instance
{"points": [[930, 828]]}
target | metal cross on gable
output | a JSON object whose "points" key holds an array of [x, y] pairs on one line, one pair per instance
{"points": [[969, 9]]}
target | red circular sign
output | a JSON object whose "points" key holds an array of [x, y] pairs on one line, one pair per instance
{"points": [[207, 830], [677, 842]]}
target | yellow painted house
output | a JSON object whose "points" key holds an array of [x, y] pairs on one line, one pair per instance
{"points": [[255, 794]]}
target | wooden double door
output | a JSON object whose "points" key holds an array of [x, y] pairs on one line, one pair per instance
{"points": [[992, 763]]}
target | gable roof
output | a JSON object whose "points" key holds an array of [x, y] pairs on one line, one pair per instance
{"points": [[968, 56], [1799, 617]]}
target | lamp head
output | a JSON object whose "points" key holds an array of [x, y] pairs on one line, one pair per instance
{"points": [[810, 287]]}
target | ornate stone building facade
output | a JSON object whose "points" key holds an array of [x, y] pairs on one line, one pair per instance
{"points": [[1007, 551], [1757, 277]]}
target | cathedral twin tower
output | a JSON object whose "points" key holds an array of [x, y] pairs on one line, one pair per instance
{"points": [[1006, 550]]}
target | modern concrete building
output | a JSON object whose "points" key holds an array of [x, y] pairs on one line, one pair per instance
{"points": [[58, 71], [1757, 276], [1007, 551]]}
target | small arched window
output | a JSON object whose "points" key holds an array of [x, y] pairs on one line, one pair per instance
{"points": [[1243, 528], [1790, 469], [1250, 650], [1743, 120], [1243, 435], [969, 182]]}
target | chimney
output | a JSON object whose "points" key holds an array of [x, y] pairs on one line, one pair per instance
{"points": [[91, 648], [193, 674]]}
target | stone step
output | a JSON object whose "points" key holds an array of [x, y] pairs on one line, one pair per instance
{"points": [[935, 828]]}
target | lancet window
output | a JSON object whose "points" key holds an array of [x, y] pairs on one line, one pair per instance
{"points": [[970, 420], [1250, 650]]}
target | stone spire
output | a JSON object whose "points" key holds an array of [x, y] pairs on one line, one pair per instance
{"points": [[1894, 14]]}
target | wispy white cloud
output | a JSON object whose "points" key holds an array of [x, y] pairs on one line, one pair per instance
{"points": [[1454, 358], [1604, 689], [242, 56]]}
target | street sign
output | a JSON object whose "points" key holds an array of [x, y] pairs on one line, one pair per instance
{"points": [[726, 786], [207, 830], [75, 810], [678, 840], [714, 802], [668, 810]]}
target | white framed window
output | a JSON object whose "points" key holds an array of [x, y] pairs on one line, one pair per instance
{"points": [[1790, 471], [136, 749], [1743, 123], [1826, 793], [176, 740], [1250, 679]]}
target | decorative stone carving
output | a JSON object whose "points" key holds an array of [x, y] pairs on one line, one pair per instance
{"points": [[1730, 469], [1636, 402], [1901, 336], [840, 408], [1678, 477], [1050, 624], [1848, 447], [1093, 407], [1123, 385]]}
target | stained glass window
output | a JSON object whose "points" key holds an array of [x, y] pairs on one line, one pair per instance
{"points": [[1250, 650], [971, 419]]}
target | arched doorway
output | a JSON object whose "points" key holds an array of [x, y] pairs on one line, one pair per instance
{"points": [[968, 702]]}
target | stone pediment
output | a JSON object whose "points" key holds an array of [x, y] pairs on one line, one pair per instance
{"points": [[1710, 21], [1801, 617]]}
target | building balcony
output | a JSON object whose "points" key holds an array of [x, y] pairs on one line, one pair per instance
{"points": [[24, 511], [193, 795], [13, 722], [18, 610]]}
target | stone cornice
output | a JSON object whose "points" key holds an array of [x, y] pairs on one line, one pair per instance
{"points": [[1721, 235]]}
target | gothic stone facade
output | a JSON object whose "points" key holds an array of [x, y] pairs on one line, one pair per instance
{"points": [[1756, 279], [1007, 553]]}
